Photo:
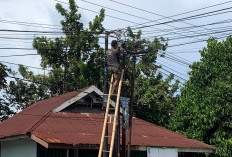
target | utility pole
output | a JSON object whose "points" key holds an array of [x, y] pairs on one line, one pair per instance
{"points": [[131, 104], [105, 146], [117, 137], [65, 71], [123, 119]]}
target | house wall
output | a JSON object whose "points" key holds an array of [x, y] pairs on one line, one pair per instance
{"points": [[24, 147], [162, 152]]}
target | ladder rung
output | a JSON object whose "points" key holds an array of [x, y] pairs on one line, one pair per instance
{"points": [[105, 150], [113, 95], [109, 122], [111, 108], [107, 136]]}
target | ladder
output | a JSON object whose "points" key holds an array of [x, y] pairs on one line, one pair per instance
{"points": [[107, 119]]}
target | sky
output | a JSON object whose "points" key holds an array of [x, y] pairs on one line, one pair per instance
{"points": [[14, 14]]}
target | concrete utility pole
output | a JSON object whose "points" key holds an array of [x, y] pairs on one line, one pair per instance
{"points": [[105, 146]]}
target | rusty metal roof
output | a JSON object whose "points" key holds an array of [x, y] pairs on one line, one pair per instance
{"points": [[45, 126], [22, 122], [78, 128]]}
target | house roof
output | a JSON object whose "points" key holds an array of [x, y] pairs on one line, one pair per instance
{"points": [[48, 127], [25, 120], [82, 129]]}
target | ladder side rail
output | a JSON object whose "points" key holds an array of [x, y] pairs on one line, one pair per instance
{"points": [[106, 117], [115, 115]]}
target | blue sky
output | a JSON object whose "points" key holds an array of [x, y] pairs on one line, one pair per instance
{"points": [[44, 12]]}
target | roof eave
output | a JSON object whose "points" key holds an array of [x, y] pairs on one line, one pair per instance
{"points": [[10, 138], [197, 150]]}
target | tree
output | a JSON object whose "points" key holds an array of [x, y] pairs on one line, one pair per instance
{"points": [[22, 93], [5, 110], [205, 105], [154, 94], [76, 60]]}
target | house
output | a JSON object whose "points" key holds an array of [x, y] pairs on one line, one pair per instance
{"points": [[71, 125]]}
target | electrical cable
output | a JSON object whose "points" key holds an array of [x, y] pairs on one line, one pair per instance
{"points": [[24, 24], [25, 65], [173, 74], [162, 65], [187, 12], [187, 32], [98, 13], [196, 41], [159, 14], [22, 55], [206, 34], [187, 18], [115, 10], [187, 28]]}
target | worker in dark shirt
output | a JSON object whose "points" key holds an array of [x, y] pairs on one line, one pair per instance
{"points": [[113, 61]]}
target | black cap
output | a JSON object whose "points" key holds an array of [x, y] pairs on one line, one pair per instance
{"points": [[114, 43]]}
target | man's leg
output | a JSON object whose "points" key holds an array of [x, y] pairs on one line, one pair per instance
{"points": [[115, 85]]}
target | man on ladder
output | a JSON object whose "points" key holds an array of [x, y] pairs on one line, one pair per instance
{"points": [[113, 60]]}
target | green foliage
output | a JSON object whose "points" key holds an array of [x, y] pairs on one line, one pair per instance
{"points": [[3, 75], [75, 60], [205, 105], [155, 99], [21, 94], [154, 95], [5, 110]]}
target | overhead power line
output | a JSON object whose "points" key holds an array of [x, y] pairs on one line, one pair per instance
{"points": [[185, 30], [196, 41], [219, 30], [205, 34], [181, 13], [187, 18], [126, 13], [25, 65], [22, 55], [98, 13], [164, 66], [118, 11], [38, 25], [189, 27], [173, 74], [47, 32], [156, 14]]}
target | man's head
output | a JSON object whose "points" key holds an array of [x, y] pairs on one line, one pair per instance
{"points": [[114, 44]]}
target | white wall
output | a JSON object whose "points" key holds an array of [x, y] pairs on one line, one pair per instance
{"points": [[24, 147], [162, 152]]}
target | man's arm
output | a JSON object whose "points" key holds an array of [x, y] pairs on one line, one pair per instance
{"points": [[121, 52]]}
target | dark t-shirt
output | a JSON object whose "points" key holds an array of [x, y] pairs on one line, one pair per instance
{"points": [[113, 58]]}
